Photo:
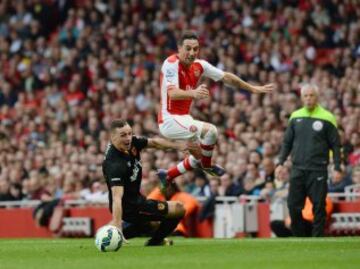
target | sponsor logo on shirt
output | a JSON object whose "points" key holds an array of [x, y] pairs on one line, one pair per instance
{"points": [[317, 125], [170, 73], [135, 171], [116, 179], [197, 73]]}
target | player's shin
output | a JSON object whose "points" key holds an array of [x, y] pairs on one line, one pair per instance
{"points": [[188, 164], [167, 226], [206, 152], [207, 146]]}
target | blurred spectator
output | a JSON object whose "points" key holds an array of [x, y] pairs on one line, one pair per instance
{"points": [[227, 187], [5, 194], [354, 156], [340, 186], [355, 178], [98, 193], [202, 187]]}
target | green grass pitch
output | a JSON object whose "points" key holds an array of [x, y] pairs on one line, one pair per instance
{"points": [[327, 253]]}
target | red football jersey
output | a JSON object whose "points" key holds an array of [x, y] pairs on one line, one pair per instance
{"points": [[175, 75]]}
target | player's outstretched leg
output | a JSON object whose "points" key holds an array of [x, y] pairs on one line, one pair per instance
{"points": [[208, 141], [176, 212], [214, 170], [167, 176], [164, 242]]}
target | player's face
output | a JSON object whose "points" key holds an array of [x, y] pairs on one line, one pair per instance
{"points": [[121, 138], [309, 98], [188, 51]]}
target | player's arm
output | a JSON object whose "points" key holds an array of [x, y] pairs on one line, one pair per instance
{"points": [[236, 82], [116, 174], [117, 194], [200, 92], [171, 83], [160, 143], [287, 144], [232, 80], [285, 150], [333, 138]]}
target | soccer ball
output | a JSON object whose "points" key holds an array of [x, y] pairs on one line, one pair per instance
{"points": [[108, 238]]}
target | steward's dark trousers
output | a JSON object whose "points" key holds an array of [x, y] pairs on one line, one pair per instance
{"points": [[314, 185]]}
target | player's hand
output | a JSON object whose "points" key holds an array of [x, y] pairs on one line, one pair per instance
{"points": [[263, 89], [279, 172], [191, 147], [183, 146], [194, 149], [125, 241], [336, 176], [119, 227], [201, 92]]}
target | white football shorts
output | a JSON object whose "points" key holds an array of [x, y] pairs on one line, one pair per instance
{"points": [[181, 127]]}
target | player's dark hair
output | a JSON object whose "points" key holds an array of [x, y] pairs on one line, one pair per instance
{"points": [[3, 136], [188, 35], [118, 123]]}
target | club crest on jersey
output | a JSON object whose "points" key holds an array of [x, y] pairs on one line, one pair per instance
{"points": [[317, 125], [193, 129], [134, 151], [161, 207], [197, 73]]}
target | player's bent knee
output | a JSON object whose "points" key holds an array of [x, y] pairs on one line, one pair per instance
{"points": [[154, 225], [210, 131], [180, 209], [176, 209]]}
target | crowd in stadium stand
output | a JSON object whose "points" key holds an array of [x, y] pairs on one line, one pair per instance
{"points": [[67, 68]]}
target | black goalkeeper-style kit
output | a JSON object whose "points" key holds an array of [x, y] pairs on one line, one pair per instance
{"points": [[124, 169], [310, 137]]}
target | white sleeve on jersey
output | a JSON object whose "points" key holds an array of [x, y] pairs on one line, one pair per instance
{"points": [[170, 73], [211, 71]]}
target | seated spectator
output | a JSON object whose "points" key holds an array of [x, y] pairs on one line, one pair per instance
{"points": [[202, 188], [208, 208], [253, 182], [228, 187], [5, 194], [278, 190], [354, 156], [98, 193], [340, 186]]}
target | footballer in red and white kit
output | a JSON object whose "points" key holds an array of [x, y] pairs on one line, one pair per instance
{"points": [[179, 79], [174, 117]]}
